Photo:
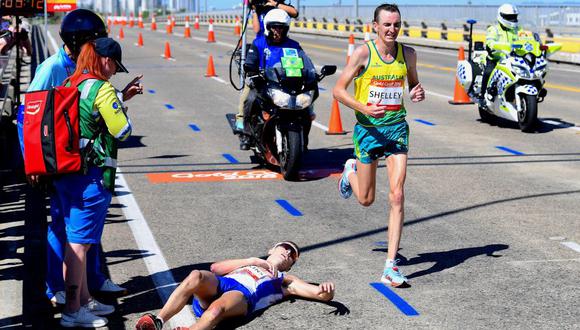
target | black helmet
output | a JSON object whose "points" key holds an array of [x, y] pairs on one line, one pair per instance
{"points": [[80, 26]]}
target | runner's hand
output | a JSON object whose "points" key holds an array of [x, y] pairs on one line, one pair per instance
{"points": [[417, 93], [327, 287], [375, 111], [133, 88]]}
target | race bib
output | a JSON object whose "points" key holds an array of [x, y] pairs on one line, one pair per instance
{"points": [[387, 93], [254, 272]]}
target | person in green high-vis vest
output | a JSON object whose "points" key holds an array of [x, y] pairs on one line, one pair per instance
{"points": [[507, 30], [85, 197]]}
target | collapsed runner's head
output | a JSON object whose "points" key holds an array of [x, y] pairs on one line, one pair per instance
{"points": [[283, 255], [276, 25], [80, 26]]}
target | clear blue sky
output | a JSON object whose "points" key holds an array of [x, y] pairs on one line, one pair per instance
{"points": [[223, 4]]}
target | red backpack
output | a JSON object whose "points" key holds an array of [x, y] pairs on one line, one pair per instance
{"points": [[52, 131]]}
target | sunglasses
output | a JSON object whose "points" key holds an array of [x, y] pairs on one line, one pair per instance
{"points": [[288, 247]]}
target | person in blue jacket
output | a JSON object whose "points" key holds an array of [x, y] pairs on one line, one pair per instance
{"points": [[267, 52], [77, 28]]}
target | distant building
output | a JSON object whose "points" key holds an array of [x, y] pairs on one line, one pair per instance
{"points": [[117, 7], [573, 19]]}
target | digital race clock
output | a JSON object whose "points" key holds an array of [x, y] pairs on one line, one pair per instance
{"points": [[21, 7]]}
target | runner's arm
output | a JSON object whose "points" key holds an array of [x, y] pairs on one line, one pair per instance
{"points": [[293, 286], [416, 91], [227, 266], [357, 62]]}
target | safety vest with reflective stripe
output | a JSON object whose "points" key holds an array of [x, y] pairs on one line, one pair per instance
{"points": [[103, 152]]}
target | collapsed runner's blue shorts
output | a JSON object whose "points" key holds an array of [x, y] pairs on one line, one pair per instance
{"points": [[371, 143], [226, 284], [84, 204]]}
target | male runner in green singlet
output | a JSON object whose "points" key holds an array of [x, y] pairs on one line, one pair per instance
{"points": [[378, 69]]}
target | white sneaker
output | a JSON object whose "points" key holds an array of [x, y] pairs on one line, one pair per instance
{"points": [[59, 298], [99, 309], [109, 286], [82, 318]]}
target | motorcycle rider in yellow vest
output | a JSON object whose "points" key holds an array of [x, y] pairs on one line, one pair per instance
{"points": [[507, 30]]}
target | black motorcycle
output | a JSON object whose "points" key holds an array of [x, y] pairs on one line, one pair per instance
{"points": [[280, 116]]}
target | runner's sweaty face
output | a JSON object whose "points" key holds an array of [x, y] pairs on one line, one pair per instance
{"points": [[388, 25]]}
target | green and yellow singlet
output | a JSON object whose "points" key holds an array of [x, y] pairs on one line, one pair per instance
{"points": [[382, 83]]}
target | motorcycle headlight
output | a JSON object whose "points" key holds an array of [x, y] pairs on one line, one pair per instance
{"points": [[279, 98], [520, 71], [304, 100]]}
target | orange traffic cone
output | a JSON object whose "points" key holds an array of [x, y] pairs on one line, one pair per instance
{"points": [[367, 32], [350, 48], [140, 24], [169, 26], [187, 32], [172, 22], [335, 124], [131, 21], [153, 24], [124, 19], [140, 40], [210, 68], [459, 94], [196, 24], [167, 55], [210, 34], [121, 34], [237, 27]]}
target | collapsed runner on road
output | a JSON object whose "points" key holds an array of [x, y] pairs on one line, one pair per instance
{"points": [[378, 69], [238, 287]]}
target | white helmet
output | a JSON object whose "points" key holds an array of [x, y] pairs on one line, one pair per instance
{"points": [[276, 17], [507, 16]]}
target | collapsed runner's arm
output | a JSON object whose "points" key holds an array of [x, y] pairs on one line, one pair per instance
{"points": [[111, 110], [227, 266], [416, 91], [294, 286]]}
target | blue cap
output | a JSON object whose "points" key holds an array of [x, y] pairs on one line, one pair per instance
{"points": [[108, 47]]}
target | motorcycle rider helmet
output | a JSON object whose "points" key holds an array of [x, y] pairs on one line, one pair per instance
{"points": [[276, 18], [507, 16], [80, 26]]}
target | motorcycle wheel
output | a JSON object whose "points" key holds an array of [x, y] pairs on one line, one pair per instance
{"points": [[528, 117], [485, 116], [291, 154]]}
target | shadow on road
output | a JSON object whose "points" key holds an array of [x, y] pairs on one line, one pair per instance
{"points": [[449, 259]]}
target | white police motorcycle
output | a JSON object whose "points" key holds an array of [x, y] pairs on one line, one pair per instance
{"points": [[516, 85]]}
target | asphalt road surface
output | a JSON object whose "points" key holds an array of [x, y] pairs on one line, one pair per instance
{"points": [[490, 238]]}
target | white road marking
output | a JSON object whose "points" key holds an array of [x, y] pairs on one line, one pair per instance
{"points": [[538, 261], [156, 264], [557, 123], [438, 95], [572, 245], [219, 79], [319, 125]]}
